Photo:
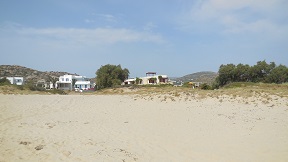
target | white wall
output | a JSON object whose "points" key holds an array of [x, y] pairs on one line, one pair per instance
{"points": [[80, 82], [16, 80], [83, 84]]}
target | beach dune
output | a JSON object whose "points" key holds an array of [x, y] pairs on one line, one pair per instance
{"points": [[84, 128]]}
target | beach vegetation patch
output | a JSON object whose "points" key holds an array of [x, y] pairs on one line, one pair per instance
{"points": [[4, 81], [110, 76], [262, 72]]}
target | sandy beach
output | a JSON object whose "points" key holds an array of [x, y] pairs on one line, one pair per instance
{"points": [[86, 128]]}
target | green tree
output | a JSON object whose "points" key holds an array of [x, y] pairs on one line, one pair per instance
{"points": [[241, 73], [110, 75], [226, 74], [53, 80], [260, 71], [278, 75]]}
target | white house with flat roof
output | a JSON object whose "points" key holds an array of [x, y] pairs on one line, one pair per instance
{"points": [[129, 81], [16, 80], [66, 82], [150, 78]]}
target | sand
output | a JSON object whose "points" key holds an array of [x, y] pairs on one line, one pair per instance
{"points": [[84, 128]]}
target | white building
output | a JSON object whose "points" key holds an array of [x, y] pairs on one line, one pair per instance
{"points": [[16, 80], [129, 81], [150, 78], [66, 82]]}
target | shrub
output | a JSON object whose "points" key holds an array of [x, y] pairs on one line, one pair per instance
{"points": [[215, 85], [205, 86], [4, 81], [33, 87]]}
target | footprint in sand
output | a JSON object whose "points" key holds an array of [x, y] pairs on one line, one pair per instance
{"points": [[50, 125], [66, 153], [24, 143], [39, 147]]}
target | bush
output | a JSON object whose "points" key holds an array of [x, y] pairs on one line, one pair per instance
{"points": [[4, 81], [205, 86], [215, 85], [33, 87]]}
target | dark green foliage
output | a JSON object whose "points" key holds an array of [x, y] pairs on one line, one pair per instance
{"points": [[278, 75], [205, 86], [33, 87], [261, 72], [226, 74], [110, 76], [4, 81], [241, 72], [215, 85]]}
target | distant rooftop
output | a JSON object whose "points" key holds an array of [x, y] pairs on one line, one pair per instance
{"points": [[150, 73]]}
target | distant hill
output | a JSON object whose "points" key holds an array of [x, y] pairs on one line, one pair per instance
{"points": [[205, 77], [28, 73]]}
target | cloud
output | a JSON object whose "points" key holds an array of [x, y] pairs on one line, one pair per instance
{"points": [[108, 18], [89, 21], [149, 26], [83, 35], [227, 16]]}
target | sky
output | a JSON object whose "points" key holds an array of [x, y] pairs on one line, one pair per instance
{"points": [[172, 37]]}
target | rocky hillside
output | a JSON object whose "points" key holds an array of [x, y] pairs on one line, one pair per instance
{"points": [[205, 77], [28, 73]]}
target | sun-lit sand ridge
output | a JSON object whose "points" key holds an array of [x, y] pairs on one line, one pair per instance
{"points": [[136, 128]]}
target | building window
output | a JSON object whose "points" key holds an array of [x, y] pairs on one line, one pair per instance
{"points": [[62, 79], [67, 79]]}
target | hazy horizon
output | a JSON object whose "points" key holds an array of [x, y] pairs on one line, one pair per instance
{"points": [[175, 37]]}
